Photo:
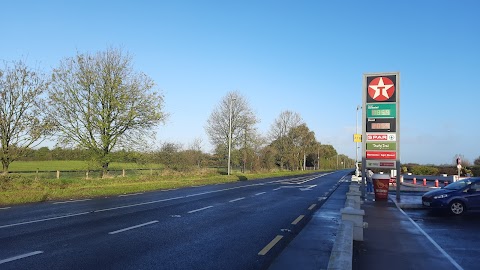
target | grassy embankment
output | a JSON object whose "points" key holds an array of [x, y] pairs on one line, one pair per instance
{"points": [[17, 188]]}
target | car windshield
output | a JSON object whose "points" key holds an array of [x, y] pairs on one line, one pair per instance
{"points": [[459, 184]]}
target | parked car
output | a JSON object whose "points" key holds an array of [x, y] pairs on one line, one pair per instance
{"points": [[456, 197]]}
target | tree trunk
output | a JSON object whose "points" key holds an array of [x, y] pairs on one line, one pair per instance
{"points": [[104, 169], [5, 165]]}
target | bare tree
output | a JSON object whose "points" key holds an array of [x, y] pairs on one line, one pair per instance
{"points": [[195, 151], [23, 123], [243, 121], [279, 131], [476, 162], [99, 102]]}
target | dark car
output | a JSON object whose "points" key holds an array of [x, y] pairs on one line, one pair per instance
{"points": [[457, 197]]}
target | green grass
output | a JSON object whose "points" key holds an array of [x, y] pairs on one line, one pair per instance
{"points": [[73, 165], [18, 188]]}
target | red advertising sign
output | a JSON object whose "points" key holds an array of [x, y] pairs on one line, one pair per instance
{"points": [[381, 155], [381, 88]]}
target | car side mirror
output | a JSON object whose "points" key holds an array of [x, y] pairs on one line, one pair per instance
{"points": [[471, 190]]}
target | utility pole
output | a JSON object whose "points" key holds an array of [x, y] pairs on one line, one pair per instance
{"points": [[229, 134]]}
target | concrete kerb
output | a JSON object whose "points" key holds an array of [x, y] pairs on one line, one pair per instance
{"points": [[350, 229]]}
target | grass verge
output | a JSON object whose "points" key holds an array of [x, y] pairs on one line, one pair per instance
{"points": [[19, 189]]}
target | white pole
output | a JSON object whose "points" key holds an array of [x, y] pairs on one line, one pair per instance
{"points": [[356, 143], [229, 134]]}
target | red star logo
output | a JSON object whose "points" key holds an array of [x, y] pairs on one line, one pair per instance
{"points": [[381, 89]]}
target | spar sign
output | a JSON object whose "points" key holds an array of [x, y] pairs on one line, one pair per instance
{"points": [[391, 137], [381, 103]]}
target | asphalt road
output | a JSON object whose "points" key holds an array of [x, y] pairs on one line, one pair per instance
{"points": [[457, 236], [242, 225]]}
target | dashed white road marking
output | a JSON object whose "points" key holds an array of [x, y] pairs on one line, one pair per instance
{"points": [[20, 257], [200, 209], [133, 227], [237, 199], [4, 208], [260, 193]]}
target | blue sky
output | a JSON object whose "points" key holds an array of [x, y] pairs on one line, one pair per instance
{"points": [[305, 56]]}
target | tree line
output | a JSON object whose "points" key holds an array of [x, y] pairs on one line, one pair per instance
{"points": [[97, 107]]}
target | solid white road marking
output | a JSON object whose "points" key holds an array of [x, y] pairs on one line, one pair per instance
{"points": [[5, 208], [133, 194], [450, 259], [236, 200], [21, 256], [127, 206], [201, 209], [40, 220], [137, 204], [133, 227], [72, 201]]}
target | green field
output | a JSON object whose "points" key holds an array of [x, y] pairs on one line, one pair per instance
{"points": [[73, 165], [24, 185]]}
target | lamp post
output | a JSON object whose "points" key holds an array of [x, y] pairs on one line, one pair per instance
{"points": [[229, 134], [356, 143]]}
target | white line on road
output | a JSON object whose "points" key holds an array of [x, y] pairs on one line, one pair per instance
{"points": [[201, 209], [450, 259], [128, 206], [133, 227], [5, 208], [133, 194], [40, 220], [260, 193], [20, 256], [236, 200], [72, 201], [137, 204]]}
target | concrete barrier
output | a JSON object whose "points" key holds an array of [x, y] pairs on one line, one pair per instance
{"points": [[342, 251], [351, 229]]}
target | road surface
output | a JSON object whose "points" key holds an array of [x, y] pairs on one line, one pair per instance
{"points": [[241, 225]]}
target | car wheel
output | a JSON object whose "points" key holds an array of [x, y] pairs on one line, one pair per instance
{"points": [[457, 208]]}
